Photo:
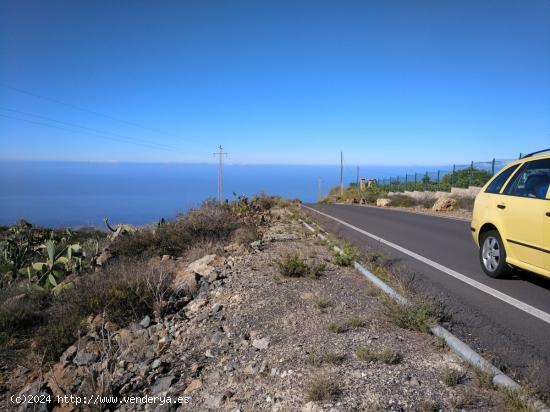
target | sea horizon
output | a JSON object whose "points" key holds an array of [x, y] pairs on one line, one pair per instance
{"points": [[75, 193]]}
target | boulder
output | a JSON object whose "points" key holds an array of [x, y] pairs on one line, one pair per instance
{"points": [[383, 202], [261, 343], [193, 385], [85, 358], [186, 280], [162, 384], [444, 204]]}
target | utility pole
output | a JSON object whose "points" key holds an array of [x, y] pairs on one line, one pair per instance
{"points": [[342, 174], [220, 155], [357, 176], [319, 188]]}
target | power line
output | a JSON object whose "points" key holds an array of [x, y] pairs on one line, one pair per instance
{"points": [[97, 131], [82, 109], [79, 131]]}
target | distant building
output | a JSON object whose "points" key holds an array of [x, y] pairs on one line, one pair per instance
{"points": [[364, 183]]}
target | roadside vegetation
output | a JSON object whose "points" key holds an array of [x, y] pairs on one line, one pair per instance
{"points": [[370, 195], [51, 281]]}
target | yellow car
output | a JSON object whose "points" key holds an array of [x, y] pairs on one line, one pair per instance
{"points": [[511, 218]]}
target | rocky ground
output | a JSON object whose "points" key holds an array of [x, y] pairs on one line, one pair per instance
{"points": [[248, 338]]}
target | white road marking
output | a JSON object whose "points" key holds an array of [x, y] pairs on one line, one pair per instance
{"points": [[531, 310]]}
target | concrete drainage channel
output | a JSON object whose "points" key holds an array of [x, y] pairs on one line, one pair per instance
{"points": [[473, 358]]}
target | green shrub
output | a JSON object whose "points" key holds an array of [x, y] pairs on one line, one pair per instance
{"points": [[294, 266], [342, 260], [346, 258]]}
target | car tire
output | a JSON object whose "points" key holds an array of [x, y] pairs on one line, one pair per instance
{"points": [[492, 255]]}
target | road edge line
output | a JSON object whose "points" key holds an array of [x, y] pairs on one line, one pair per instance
{"points": [[462, 349], [518, 304]]}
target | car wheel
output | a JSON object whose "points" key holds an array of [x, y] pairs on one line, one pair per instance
{"points": [[492, 255]]}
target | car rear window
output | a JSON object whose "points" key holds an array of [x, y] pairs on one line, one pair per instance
{"points": [[496, 185], [532, 180]]}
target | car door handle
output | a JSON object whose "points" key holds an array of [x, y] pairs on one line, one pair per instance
{"points": [[548, 214], [501, 206]]}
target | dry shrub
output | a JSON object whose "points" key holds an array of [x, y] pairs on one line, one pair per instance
{"points": [[321, 388], [123, 292], [209, 223], [403, 201], [465, 202], [427, 202], [245, 235], [20, 313]]}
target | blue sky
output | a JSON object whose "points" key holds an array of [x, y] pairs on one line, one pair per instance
{"points": [[387, 82]]}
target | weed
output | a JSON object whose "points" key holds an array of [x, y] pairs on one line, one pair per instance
{"points": [[467, 399], [338, 327], [316, 270], [357, 322], [419, 315], [516, 400], [293, 266], [333, 358], [321, 388], [321, 302], [451, 376], [342, 260], [440, 343], [483, 379], [386, 356], [344, 326]]}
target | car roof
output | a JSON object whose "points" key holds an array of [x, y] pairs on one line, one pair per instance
{"points": [[528, 158]]}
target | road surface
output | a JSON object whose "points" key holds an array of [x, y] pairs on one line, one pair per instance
{"points": [[514, 333]]}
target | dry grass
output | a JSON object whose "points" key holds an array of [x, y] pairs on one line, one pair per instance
{"points": [[329, 358], [321, 388], [385, 356], [346, 325], [451, 376]]}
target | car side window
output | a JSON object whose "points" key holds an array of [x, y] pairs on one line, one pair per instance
{"points": [[498, 182], [531, 181]]}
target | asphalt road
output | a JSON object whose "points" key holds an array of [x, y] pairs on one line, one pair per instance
{"points": [[514, 340]]}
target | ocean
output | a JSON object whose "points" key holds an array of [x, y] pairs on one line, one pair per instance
{"points": [[73, 194]]}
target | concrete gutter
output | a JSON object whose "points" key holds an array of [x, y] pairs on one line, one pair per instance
{"points": [[470, 356]]}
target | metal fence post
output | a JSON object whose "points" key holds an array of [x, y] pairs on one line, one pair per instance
{"points": [[438, 179], [414, 180], [453, 176], [471, 171], [493, 167]]}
